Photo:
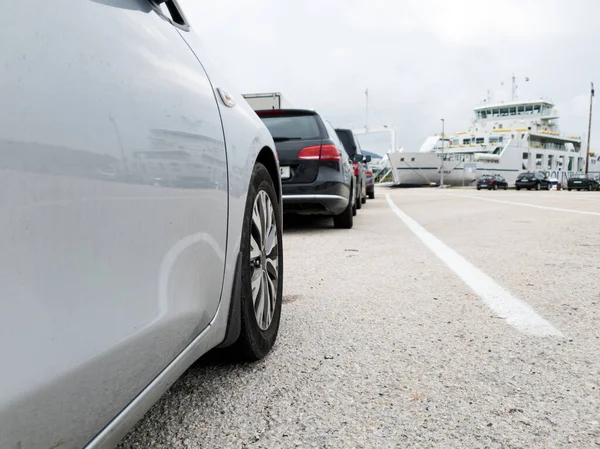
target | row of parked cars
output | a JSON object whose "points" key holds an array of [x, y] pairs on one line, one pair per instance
{"points": [[145, 224], [323, 169], [537, 181]]}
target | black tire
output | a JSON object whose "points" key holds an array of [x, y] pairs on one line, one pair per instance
{"points": [[590, 188], [359, 201], [253, 342], [372, 195], [506, 187], [569, 189], [345, 220], [363, 199], [518, 188], [478, 188], [578, 190], [537, 186], [494, 187]]}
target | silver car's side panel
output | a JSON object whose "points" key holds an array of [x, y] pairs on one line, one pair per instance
{"points": [[113, 212], [246, 138]]}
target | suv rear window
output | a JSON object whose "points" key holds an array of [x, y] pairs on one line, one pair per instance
{"points": [[525, 175], [298, 127]]}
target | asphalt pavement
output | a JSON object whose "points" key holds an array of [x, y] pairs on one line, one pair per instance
{"points": [[443, 319]]}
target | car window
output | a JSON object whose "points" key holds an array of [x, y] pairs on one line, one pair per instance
{"points": [[334, 136], [297, 127], [346, 138]]}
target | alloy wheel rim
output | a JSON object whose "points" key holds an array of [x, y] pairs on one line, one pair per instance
{"points": [[264, 260]]}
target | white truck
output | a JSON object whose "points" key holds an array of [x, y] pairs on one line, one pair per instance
{"points": [[268, 100]]}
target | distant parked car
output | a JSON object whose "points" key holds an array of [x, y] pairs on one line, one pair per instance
{"points": [[370, 179], [491, 182], [144, 225], [317, 176], [533, 180], [352, 146], [583, 182]]}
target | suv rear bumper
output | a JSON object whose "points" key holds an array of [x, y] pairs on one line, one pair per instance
{"points": [[314, 204], [326, 198]]}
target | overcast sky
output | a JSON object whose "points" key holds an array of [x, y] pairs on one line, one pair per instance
{"points": [[421, 60]]}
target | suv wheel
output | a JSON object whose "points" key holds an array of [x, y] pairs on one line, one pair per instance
{"points": [[261, 269], [537, 186], [345, 220]]}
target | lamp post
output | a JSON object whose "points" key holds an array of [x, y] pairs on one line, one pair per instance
{"points": [[442, 164]]}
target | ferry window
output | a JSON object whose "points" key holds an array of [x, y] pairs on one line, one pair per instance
{"points": [[528, 110], [483, 114], [467, 141], [521, 110], [550, 161], [495, 113], [570, 164], [401, 159], [489, 112], [536, 109], [480, 140], [501, 139], [455, 141], [513, 111], [525, 156], [503, 112]]}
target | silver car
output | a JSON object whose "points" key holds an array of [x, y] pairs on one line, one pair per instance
{"points": [[140, 219]]}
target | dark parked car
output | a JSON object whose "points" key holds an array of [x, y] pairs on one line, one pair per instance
{"points": [[583, 182], [352, 146], [491, 182], [316, 172], [533, 180], [370, 180]]}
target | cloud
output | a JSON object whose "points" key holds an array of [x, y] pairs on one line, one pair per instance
{"points": [[421, 60]]}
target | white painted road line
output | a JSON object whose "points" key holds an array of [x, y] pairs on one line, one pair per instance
{"points": [[537, 206], [517, 312]]}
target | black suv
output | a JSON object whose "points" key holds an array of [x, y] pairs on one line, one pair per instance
{"points": [[352, 146], [317, 176], [533, 180]]}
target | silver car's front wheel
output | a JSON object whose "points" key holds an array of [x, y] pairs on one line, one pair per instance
{"points": [[264, 259], [261, 268]]}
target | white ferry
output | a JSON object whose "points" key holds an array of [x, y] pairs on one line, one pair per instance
{"points": [[505, 139]]}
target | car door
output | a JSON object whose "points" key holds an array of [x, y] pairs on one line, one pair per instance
{"points": [[113, 211], [348, 170], [362, 169]]}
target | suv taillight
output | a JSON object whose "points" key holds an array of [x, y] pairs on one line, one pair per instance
{"points": [[355, 165], [369, 172], [320, 153]]}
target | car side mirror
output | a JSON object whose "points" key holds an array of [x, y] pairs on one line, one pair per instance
{"points": [[367, 158], [357, 157]]}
